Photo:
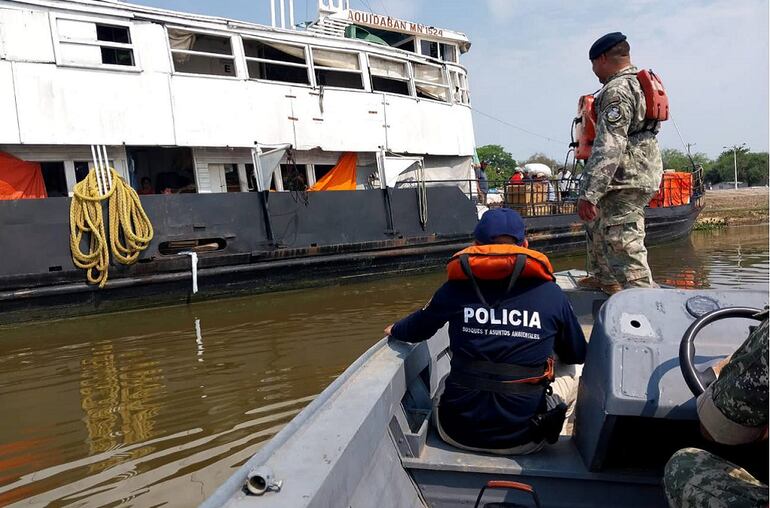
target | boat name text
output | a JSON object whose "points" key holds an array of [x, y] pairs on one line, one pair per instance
{"points": [[375, 20]]}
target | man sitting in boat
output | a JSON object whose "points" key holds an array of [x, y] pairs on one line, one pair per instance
{"points": [[732, 411], [507, 317]]}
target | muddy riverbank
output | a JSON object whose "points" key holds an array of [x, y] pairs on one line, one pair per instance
{"points": [[734, 208]]}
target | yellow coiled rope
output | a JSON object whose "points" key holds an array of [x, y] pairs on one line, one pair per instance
{"points": [[130, 228]]}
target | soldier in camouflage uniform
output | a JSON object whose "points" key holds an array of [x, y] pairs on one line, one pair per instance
{"points": [[733, 410], [622, 174]]}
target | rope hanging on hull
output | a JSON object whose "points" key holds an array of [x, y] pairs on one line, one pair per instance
{"points": [[130, 228]]}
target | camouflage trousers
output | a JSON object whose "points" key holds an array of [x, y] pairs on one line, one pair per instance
{"points": [[698, 479], [615, 240]]}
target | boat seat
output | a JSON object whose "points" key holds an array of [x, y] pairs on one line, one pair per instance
{"points": [[436, 454], [448, 476]]}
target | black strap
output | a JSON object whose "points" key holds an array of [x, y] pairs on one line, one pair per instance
{"points": [[519, 264], [465, 264], [498, 369], [521, 261], [491, 385]]}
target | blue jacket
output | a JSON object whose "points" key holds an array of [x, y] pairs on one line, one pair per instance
{"points": [[531, 322]]}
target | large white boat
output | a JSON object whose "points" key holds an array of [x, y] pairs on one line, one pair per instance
{"points": [[199, 111]]}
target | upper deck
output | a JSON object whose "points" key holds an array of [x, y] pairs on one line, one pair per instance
{"points": [[81, 72]]}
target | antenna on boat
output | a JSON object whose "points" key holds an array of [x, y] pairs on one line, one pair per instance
{"points": [[282, 8]]}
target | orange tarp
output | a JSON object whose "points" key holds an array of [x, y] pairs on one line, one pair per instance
{"points": [[675, 190], [341, 177], [20, 179]]}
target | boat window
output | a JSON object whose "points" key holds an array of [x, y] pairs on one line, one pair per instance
{"points": [[81, 170], [276, 61], [321, 170], [54, 178], [337, 68], [252, 181], [460, 92], [201, 53], [389, 75], [94, 44], [406, 45], [430, 82], [158, 170], [449, 52], [232, 180], [83, 167], [294, 177], [429, 48]]}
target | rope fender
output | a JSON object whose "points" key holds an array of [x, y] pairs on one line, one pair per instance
{"points": [[130, 228]]}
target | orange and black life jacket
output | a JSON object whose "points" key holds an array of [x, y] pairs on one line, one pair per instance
{"points": [[585, 127], [656, 102], [499, 262]]}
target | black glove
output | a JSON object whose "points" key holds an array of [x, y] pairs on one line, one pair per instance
{"points": [[547, 426]]}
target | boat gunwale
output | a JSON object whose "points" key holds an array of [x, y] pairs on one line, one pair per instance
{"points": [[234, 483]]}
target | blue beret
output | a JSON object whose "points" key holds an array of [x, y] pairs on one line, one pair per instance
{"points": [[604, 43], [499, 221]]}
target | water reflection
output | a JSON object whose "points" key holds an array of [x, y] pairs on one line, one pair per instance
{"points": [[160, 405]]}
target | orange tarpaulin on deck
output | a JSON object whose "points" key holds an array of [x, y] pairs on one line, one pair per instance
{"points": [[675, 190], [20, 179], [341, 177]]}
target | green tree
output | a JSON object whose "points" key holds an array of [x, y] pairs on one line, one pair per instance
{"points": [[501, 163], [678, 160], [752, 167], [544, 159]]}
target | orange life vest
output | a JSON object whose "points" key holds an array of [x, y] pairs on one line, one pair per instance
{"points": [[497, 261], [585, 127], [655, 99], [654, 95]]}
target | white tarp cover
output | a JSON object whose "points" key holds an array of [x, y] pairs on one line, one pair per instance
{"points": [[269, 161], [394, 166], [335, 59], [387, 68], [443, 170]]}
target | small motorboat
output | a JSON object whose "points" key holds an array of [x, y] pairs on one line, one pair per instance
{"points": [[368, 440]]}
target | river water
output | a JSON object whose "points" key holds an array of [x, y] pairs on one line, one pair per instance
{"points": [[156, 407]]}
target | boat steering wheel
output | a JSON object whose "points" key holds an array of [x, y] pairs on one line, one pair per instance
{"points": [[698, 380]]}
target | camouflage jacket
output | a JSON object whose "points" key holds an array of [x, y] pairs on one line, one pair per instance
{"points": [[625, 153], [740, 391]]}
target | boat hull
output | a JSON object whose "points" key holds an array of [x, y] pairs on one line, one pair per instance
{"points": [[309, 239]]}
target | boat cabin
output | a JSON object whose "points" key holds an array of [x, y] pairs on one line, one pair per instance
{"points": [[181, 101]]}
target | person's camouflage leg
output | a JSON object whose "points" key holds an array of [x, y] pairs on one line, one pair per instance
{"points": [[622, 225], [695, 478], [597, 260]]}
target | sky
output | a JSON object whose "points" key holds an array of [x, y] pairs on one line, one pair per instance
{"points": [[528, 62]]}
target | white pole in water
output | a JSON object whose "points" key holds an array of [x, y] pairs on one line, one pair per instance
{"points": [[283, 14], [291, 14], [272, 13]]}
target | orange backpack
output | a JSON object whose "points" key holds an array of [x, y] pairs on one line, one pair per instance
{"points": [[655, 99]]}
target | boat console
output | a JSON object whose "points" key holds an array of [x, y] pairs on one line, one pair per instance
{"points": [[634, 408]]}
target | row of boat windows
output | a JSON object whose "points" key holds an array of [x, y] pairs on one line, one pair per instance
{"points": [[224, 177], [97, 44]]}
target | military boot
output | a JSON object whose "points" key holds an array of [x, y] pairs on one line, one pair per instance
{"points": [[590, 282], [612, 288]]}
